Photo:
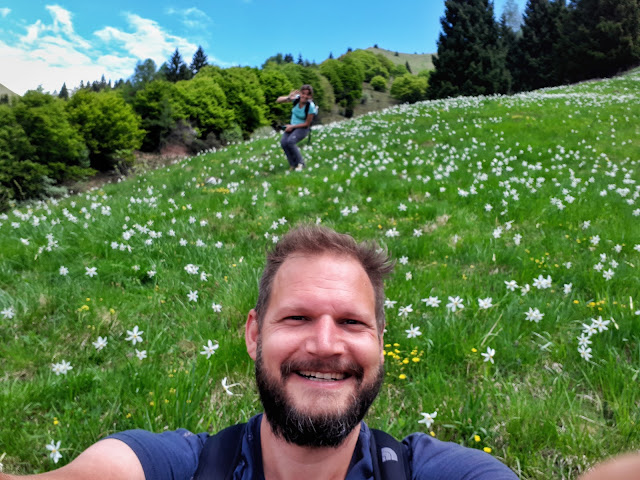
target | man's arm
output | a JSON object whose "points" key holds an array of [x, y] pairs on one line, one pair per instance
{"points": [[108, 459]]}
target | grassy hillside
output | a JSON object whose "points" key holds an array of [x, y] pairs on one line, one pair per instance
{"points": [[417, 62], [5, 91], [513, 313]]}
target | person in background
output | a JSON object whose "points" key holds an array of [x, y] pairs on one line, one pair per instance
{"points": [[301, 117]]}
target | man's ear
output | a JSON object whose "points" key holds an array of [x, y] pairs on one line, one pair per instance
{"points": [[251, 332]]}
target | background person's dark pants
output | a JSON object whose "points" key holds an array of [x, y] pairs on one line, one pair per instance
{"points": [[288, 143]]}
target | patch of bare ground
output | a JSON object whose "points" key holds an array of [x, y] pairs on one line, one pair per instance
{"points": [[143, 162]]}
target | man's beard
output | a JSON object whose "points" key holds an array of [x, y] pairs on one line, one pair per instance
{"points": [[308, 429]]}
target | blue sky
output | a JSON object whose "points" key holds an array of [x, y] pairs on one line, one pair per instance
{"points": [[46, 43]]}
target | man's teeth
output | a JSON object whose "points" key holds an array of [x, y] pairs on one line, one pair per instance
{"points": [[323, 376]]}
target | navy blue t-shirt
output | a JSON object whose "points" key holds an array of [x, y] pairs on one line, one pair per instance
{"points": [[173, 455]]}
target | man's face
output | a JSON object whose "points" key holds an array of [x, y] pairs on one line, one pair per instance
{"points": [[318, 354]]}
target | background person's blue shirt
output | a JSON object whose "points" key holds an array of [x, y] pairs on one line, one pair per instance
{"points": [[297, 114]]}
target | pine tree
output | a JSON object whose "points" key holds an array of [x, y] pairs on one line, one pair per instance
{"points": [[605, 37], [64, 93], [288, 58], [177, 69], [199, 60], [538, 47], [471, 58]]}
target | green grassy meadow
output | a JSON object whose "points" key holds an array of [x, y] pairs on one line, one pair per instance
{"points": [[524, 209]]}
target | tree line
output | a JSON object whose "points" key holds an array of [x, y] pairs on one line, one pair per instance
{"points": [[48, 140], [556, 43]]}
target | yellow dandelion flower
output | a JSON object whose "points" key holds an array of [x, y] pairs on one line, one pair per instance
{"points": [[476, 438], [415, 359], [402, 376], [487, 449], [474, 350]]}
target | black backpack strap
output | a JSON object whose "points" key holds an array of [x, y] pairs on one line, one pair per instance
{"points": [[389, 457], [220, 454]]}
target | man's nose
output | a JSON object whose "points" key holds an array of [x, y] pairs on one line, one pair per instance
{"points": [[325, 338]]}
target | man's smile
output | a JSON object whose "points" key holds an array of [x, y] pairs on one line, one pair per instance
{"points": [[323, 376]]}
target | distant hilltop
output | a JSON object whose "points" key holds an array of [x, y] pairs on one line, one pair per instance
{"points": [[5, 91], [417, 61]]}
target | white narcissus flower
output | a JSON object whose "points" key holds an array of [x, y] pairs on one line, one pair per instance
{"points": [[488, 356], [432, 302], [227, 388], [485, 303], [100, 343], [455, 303], [54, 448], [209, 349], [413, 332], [134, 336], [192, 295], [428, 418]]}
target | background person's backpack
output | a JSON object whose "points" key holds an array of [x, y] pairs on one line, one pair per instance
{"points": [[220, 455]]}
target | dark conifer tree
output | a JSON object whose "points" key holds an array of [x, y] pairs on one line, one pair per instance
{"points": [[300, 60], [176, 68], [199, 60], [406, 64], [471, 58], [64, 93], [288, 58], [535, 57], [605, 36]]}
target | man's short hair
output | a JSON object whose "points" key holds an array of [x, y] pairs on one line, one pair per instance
{"points": [[316, 240]]}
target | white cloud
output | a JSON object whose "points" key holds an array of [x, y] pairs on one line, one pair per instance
{"points": [[50, 54], [147, 40], [4, 12], [192, 18]]}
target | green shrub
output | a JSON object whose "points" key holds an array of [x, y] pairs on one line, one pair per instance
{"points": [[21, 180], [379, 83], [409, 88], [399, 70], [109, 126], [232, 135], [52, 136]]}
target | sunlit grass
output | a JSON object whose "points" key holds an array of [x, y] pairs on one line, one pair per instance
{"points": [[474, 192]]}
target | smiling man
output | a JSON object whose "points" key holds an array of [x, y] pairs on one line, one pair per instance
{"points": [[316, 336]]}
